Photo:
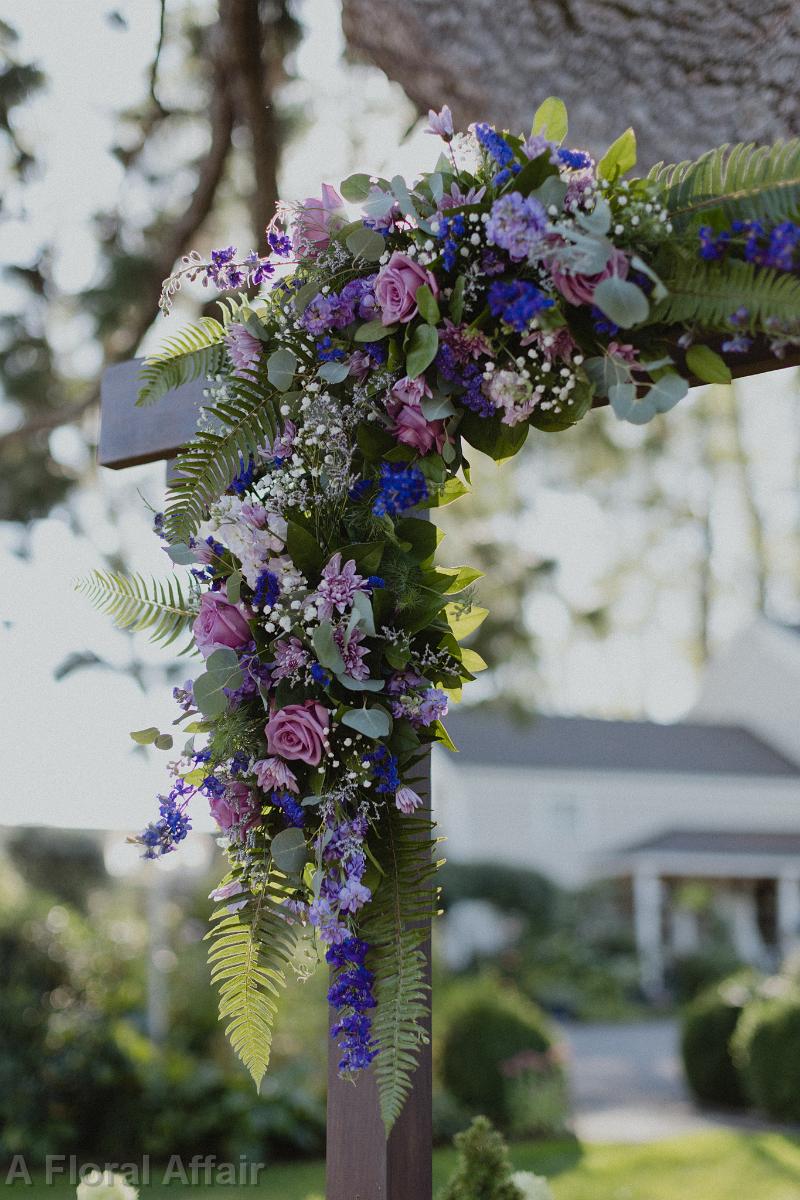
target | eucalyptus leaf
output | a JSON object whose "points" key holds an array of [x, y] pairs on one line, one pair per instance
{"points": [[622, 301], [372, 722], [552, 192], [254, 324], [359, 685], [222, 671], [373, 331], [434, 408], [598, 221], [289, 851], [622, 398], [362, 605], [403, 197], [422, 347], [281, 366], [436, 184], [325, 647], [378, 204], [551, 119], [356, 188], [333, 372], [366, 243], [304, 295], [667, 391], [181, 554]]}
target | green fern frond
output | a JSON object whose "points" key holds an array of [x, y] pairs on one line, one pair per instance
{"points": [[158, 606], [194, 352], [710, 293], [396, 925], [762, 182], [205, 467], [250, 951]]}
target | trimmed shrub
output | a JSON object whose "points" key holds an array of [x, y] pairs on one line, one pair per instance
{"points": [[484, 1169], [709, 1022], [494, 1036], [766, 1047], [693, 974], [511, 889]]}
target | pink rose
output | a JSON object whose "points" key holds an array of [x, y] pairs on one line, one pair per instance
{"points": [[579, 289], [316, 219], [412, 428], [396, 288], [219, 623], [299, 731], [237, 806]]}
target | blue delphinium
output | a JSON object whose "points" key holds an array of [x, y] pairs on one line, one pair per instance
{"points": [[267, 590], [292, 811], [399, 487], [517, 302], [576, 160]]}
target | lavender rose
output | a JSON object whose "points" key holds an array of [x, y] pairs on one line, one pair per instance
{"points": [[299, 731], [579, 289], [396, 288], [219, 623]]}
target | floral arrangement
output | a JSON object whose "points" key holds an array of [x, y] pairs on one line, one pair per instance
{"points": [[392, 329]]}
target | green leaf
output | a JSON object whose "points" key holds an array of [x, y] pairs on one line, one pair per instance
{"points": [[366, 243], [373, 331], [464, 620], [551, 119], [452, 490], [619, 158], [422, 537], [222, 671], [366, 555], [181, 554], [374, 441], [362, 605], [472, 660], [304, 549], [707, 365], [333, 372], [422, 347], [374, 723], [251, 951], [709, 292], [163, 741], [492, 437], [145, 737], [443, 737], [359, 685], [435, 408], [304, 295], [326, 649], [402, 196], [457, 299], [426, 303], [233, 587], [289, 851], [132, 602], [622, 301], [356, 188], [281, 366], [196, 351]]}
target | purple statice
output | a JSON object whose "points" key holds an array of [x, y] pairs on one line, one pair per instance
{"points": [[516, 302], [440, 124], [293, 814], [575, 160], [400, 487], [318, 316], [360, 293], [244, 349], [337, 587], [290, 657], [384, 770], [353, 652], [266, 591], [516, 224]]}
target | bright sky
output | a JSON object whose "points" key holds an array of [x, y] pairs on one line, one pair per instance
{"points": [[71, 762]]}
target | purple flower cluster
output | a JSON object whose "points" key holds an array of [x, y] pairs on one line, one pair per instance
{"points": [[399, 487], [338, 310], [163, 836], [292, 811], [517, 302], [421, 709], [385, 770], [516, 224], [775, 248], [499, 149], [351, 993], [267, 590], [227, 274], [449, 230]]}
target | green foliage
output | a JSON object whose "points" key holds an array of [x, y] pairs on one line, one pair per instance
{"points": [[159, 606], [195, 352], [484, 1168], [395, 925], [250, 951], [708, 1025], [247, 416], [511, 889], [766, 1048], [487, 1027], [709, 292], [745, 180]]}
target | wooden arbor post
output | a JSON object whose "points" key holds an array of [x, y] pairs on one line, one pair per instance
{"points": [[361, 1163]]}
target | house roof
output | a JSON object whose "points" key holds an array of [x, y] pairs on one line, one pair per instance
{"points": [[719, 841], [581, 743]]}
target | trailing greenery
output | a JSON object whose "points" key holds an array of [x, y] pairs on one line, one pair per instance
{"points": [[159, 606], [484, 1168], [745, 180], [197, 351], [708, 293], [246, 417], [252, 944], [396, 927]]}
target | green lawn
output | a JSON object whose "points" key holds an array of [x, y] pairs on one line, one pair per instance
{"points": [[713, 1166]]}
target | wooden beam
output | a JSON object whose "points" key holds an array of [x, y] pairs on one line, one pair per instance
{"points": [[131, 435]]}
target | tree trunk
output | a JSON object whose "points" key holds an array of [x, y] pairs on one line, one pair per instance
{"points": [[687, 76]]}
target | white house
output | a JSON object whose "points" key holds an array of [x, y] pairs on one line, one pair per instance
{"points": [[713, 798]]}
